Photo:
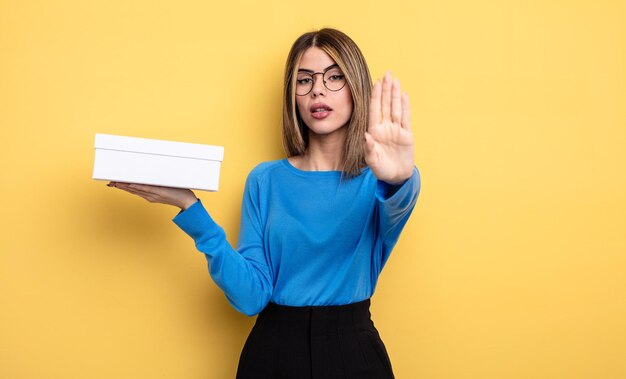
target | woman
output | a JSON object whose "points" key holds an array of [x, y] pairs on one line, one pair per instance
{"points": [[317, 227]]}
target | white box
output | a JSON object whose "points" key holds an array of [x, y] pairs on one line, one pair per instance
{"points": [[157, 162]]}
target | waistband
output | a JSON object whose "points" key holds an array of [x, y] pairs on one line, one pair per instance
{"points": [[326, 320]]}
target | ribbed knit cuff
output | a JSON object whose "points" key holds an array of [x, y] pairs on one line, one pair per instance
{"points": [[196, 222], [389, 192]]}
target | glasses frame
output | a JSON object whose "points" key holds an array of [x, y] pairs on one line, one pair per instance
{"points": [[323, 81]]}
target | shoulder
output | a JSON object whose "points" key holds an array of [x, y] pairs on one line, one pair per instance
{"points": [[264, 170]]}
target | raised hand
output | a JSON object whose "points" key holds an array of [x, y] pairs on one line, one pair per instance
{"points": [[389, 141], [182, 198]]}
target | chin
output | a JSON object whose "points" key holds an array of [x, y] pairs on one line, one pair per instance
{"points": [[325, 130]]}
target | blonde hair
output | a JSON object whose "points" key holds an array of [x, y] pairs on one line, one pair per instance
{"points": [[350, 60]]}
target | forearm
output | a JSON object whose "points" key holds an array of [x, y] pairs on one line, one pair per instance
{"points": [[243, 276], [396, 203]]}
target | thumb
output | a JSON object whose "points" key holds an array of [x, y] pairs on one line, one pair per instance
{"points": [[371, 152]]}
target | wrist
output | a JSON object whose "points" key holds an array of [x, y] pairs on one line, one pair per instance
{"points": [[396, 183], [187, 202], [399, 180]]}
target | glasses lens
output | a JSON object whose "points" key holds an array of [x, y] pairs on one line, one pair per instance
{"points": [[304, 83], [334, 79]]}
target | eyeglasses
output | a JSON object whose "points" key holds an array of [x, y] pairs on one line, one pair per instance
{"points": [[333, 79]]}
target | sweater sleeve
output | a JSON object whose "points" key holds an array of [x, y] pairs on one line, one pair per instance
{"points": [[242, 274], [396, 202]]}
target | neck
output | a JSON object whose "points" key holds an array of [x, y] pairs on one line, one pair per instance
{"points": [[324, 152]]}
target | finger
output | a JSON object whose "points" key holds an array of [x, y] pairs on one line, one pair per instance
{"points": [[135, 192], [119, 185], [146, 188], [375, 105], [396, 102], [129, 188], [148, 197], [116, 184], [369, 143], [386, 99], [406, 112], [371, 154]]}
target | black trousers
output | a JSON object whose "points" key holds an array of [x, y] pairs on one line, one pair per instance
{"points": [[318, 342]]}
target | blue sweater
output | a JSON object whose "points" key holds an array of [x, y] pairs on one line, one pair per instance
{"points": [[306, 237]]}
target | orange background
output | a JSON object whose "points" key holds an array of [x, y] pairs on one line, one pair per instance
{"points": [[512, 266]]}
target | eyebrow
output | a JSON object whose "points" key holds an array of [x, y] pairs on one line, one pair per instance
{"points": [[311, 71]]}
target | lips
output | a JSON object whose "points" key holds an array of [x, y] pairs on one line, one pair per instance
{"points": [[320, 110], [320, 107]]}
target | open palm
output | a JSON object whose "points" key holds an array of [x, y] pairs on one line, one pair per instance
{"points": [[389, 141]]}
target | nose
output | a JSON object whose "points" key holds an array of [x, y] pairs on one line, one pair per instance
{"points": [[318, 84]]}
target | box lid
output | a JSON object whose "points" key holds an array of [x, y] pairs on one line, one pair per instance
{"points": [[159, 147]]}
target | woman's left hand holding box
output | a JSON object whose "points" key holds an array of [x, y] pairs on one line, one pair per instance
{"points": [[179, 197]]}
